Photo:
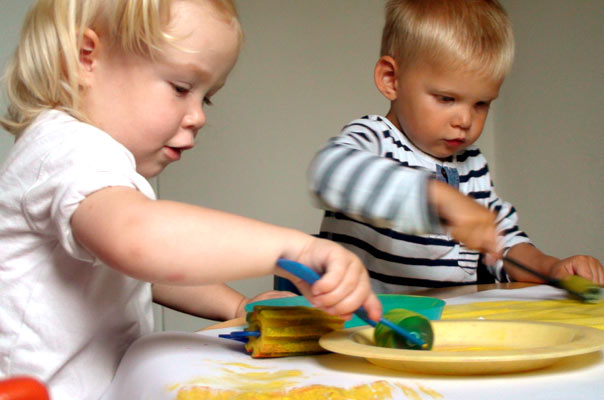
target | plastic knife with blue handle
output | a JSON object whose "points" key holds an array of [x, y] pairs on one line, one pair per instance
{"points": [[310, 276]]}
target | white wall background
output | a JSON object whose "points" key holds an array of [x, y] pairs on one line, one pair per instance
{"points": [[306, 69]]}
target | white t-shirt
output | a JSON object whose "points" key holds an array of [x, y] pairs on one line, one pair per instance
{"points": [[65, 317]]}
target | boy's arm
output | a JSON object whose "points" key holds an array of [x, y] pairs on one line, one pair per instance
{"points": [[585, 266], [218, 302], [354, 181], [382, 192], [179, 244]]}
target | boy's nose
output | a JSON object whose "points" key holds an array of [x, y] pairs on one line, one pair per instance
{"points": [[463, 119]]}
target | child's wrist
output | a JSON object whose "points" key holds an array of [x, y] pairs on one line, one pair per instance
{"points": [[432, 215]]}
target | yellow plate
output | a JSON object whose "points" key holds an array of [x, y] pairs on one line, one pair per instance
{"points": [[470, 347]]}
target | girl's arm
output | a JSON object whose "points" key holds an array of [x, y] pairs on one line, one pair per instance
{"points": [[179, 244], [218, 302]]}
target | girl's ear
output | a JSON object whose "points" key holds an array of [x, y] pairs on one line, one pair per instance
{"points": [[89, 54], [385, 76]]}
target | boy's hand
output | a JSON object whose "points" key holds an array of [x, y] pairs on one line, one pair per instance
{"points": [[271, 294], [467, 221], [344, 285], [585, 266]]}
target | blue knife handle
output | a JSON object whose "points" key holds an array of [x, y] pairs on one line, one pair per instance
{"points": [[299, 270], [310, 276]]}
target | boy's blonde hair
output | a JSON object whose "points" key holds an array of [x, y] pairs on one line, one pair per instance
{"points": [[44, 71], [472, 34]]}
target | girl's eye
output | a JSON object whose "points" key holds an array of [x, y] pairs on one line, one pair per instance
{"points": [[483, 104], [207, 101]]}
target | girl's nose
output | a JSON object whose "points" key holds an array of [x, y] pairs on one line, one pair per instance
{"points": [[195, 118]]}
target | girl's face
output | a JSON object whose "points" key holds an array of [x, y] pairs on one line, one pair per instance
{"points": [[442, 111], [155, 107]]}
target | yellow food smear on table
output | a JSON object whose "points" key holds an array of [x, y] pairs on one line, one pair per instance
{"points": [[432, 393], [252, 381], [562, 311], [375, 391], [237, 383]]}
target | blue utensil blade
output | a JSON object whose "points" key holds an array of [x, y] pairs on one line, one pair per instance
{"points": [[310, 276], [245, 333], [237, 339]]}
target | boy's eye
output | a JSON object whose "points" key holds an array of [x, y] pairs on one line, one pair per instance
{"points": [[179, 89], [483, 104], [445, 99], [207, 101]]}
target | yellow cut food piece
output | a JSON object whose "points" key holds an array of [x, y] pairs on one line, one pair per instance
{"points": [[414, 323], [288, 331]]}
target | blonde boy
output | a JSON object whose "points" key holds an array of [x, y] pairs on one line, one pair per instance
{"points": [[442, 64]]}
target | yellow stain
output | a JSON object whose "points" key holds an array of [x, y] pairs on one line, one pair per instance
{"points": [[242, 365], [566, 311], [240, 381], [432, 393], [380, 390], [409, 393]]}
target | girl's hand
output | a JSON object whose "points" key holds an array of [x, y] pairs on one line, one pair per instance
{"points": [[271, 294], [344, 285], [585, 266]]}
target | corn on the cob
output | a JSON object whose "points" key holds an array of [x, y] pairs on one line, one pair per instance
{"points": [[288, 331]]}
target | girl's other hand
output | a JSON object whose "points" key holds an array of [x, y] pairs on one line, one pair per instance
{"points": [[271, 294]]}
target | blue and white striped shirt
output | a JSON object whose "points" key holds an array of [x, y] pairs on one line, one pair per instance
{"points": [[372, 181]]}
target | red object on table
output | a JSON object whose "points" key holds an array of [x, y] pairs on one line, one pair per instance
{"points": [[23, 388]]}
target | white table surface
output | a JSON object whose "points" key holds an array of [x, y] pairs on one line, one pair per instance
{"points": [[156, 365]]}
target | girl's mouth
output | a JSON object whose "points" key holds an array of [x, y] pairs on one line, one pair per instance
{"points": [[172, 153]]}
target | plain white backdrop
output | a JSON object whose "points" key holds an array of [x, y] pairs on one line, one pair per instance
{"points": [[307, 69]]}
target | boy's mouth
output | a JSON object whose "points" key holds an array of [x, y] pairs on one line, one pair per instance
{"points": [[454, 142]]}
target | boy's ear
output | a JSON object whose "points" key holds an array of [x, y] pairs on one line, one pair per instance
{"points": [[89, 53], [385, 75]]}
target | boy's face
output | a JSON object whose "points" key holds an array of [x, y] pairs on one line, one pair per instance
{"points": [[442, 111], [155, 108]]}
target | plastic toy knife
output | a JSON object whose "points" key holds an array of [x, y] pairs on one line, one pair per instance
{"points": [[310, 276]]}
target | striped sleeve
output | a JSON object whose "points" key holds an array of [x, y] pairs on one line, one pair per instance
{"points": [[507, 227], [349, 176], [507, 222], [477, 177]]}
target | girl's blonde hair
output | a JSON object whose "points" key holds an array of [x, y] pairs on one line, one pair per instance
{"points": [[471, 34], [44, 71]]}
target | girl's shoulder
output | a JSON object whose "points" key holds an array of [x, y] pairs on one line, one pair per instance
{"points": [[56, 135]]}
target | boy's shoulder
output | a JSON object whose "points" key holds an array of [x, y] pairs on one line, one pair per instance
{"points": [[370, 121]]}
